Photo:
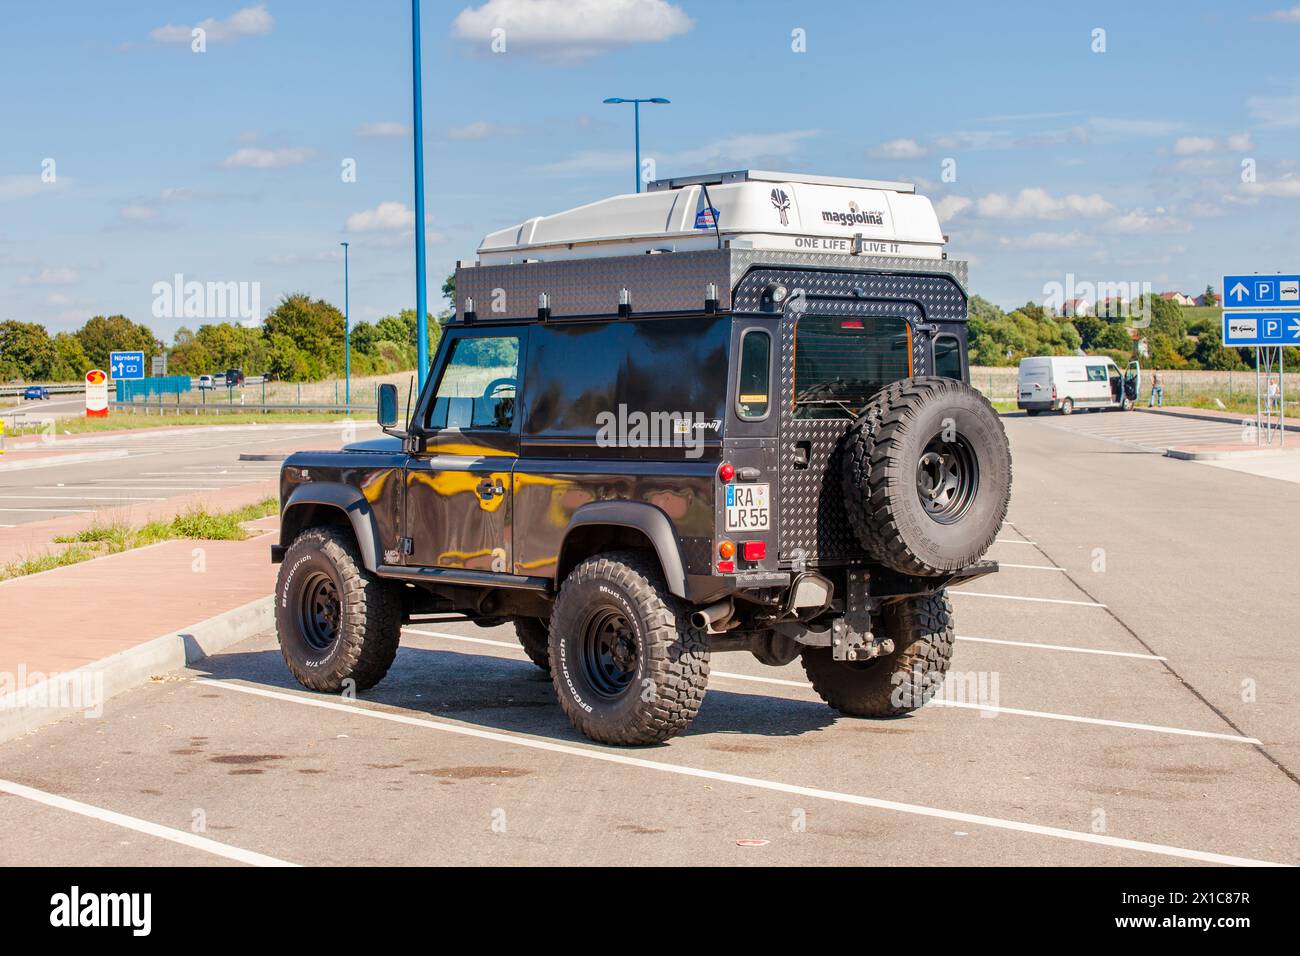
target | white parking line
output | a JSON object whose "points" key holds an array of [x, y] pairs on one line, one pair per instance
{"points": [[1061, 647], [72, 497], [1017, 597], [128, 485], [70, 511], [141, 826], [1030, 567], [1013, 541], [607, 756]]}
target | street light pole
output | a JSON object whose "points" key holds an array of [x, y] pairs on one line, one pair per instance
{"points": [[347, 336], [421, 297], [636, 121]]}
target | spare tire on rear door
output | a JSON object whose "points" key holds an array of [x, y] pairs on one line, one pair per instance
{"points": [[927, 476]]}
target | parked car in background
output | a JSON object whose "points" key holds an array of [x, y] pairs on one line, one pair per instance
{"points": [[207, 381], [1062, 383], [234, 377], [36, 392]]}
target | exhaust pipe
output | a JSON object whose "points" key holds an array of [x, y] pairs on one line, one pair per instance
{"points": [[713, 618]]}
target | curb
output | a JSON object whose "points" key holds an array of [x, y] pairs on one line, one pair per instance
{"points": [[262, 456], [1222, 419], [1184, 455], [131, 668], [51, 460]]}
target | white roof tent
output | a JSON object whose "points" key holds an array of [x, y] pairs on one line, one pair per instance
{"points": [[744, 209]]}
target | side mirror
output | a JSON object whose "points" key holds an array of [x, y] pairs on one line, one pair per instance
{"points": [[387, 411]]}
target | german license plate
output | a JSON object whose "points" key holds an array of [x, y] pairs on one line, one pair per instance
{"points": [[748, 507]]}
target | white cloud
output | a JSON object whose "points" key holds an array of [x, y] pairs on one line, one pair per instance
{"points": [[386, 129], [250, 21], [1133, 127], [1141, 222], [950, 206], [481, 129], [386, 216], [1191, 145], [138, 213], [251, 157], [1288, 187], [20, 187], [1036, 203], [49, 276], [898, 149], [1286, 16], [1048, 240], [1275, 110], [571, 29], [1241, 141]]}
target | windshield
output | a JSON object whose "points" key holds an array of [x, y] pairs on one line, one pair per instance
{"points": [[840, 362]]}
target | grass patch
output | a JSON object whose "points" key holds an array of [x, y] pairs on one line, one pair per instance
{"points": [[20, 425], [99, 540]]}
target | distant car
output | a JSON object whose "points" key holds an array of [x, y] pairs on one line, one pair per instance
{"points": [[37, 392], [207, 381], [234, 377]]}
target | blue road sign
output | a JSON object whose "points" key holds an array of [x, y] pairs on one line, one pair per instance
{"points": [[1261, 292], [126, 365], [1261, 328]]}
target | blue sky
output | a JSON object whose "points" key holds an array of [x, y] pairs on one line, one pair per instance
{"points": [[225, 165]]}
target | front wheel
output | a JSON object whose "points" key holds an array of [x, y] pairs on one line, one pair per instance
{"points": [[628, 667], [899, 683], [338, 624]]}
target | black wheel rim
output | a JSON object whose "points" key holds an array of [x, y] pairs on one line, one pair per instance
{"points": [[947, 478], [609, 652], [319, 611]]}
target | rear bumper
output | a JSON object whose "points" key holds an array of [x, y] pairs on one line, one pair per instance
{"points": [[1047, 406]]}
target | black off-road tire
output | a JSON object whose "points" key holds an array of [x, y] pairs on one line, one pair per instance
{"points": [[657, 693], [888, 686], [368, 616], [884, 452], [534, 637]]}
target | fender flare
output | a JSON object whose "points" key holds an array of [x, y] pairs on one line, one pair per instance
{"points": [[346, 499], [646, 518]]}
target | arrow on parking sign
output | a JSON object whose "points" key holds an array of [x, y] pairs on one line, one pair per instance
{"points": [[1239, 291], [1295, 329]]}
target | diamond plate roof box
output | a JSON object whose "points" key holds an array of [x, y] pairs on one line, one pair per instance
{"points": [[744, 209]]}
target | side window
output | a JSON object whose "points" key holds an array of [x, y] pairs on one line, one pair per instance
{"points": [[1096, 373], [947, 357], [478, 385], [754, 379]]}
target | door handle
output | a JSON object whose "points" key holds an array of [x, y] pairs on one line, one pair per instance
{"points": [[488, 487]]}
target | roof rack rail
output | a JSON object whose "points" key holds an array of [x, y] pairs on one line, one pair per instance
{"points": [[770, 176]]}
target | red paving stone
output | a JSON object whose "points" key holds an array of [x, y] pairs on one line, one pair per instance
{"points": [[82, 613]]}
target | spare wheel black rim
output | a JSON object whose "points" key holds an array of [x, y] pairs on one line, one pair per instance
{"points": [[319, 611], [947, 478], [608, 654]]}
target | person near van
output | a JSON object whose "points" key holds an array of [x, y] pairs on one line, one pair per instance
{"points": [[1157, 390], [1274, 395]]}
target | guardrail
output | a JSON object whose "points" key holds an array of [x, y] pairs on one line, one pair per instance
{"points": [[11, 391], [218, 408]]}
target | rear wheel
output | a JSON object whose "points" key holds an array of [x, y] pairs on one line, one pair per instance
{"points": [[338, 624], [922, 631], [927, 476], [534, 637], [628, 668], [1067, 406]]}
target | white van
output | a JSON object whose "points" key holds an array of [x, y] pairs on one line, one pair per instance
{"points": [[1066, 382]]}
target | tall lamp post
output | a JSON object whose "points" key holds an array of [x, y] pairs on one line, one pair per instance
{"points": [[347, 336], [636, 113], [421, 297]]}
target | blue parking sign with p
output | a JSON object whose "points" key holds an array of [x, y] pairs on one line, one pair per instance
{"points": [[126, 365]]}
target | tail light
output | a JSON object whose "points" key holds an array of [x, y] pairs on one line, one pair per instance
{"points": [[1053, 391], [726, 471], [754, 550], [726, 549]]}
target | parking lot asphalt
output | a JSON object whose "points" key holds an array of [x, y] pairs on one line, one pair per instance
{"points": [[156, 465], [1123, 692]]}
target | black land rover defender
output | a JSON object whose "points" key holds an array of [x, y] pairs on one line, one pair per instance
{"points": [[641, 460]]}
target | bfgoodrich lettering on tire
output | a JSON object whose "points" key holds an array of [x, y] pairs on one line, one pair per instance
{"points": [[627, 666], [927, 476], [922, 632], [336, 622]]}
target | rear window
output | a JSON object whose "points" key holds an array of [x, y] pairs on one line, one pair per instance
{"points": [[752, 383], [840, 362]]}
